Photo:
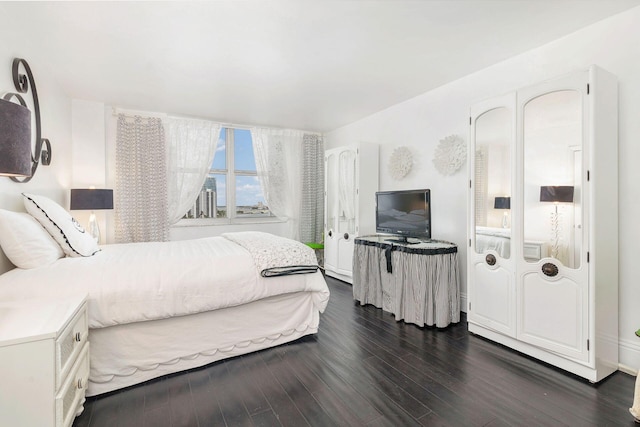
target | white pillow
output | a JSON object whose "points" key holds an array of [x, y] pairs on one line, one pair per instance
{"points": [[73, 239], [25, 242]]}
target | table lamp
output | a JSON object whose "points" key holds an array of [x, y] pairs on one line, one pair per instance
{"points": [[91, 199], [503, 203], [556, 195]]}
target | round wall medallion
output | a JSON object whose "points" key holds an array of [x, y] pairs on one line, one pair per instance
{"points": [[400, 163], [450, 154]]}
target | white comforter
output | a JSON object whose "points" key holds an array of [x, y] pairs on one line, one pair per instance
{"points": [[497, 239], [144, 281]]}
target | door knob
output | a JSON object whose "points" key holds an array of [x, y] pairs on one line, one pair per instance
{"points": [[549, 269]]}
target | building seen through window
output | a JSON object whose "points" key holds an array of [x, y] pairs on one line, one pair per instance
{"points": [[232, 189]]}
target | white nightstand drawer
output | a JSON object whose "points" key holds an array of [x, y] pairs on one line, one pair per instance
{"points": [[70, 399], [44, 351], [533, 250], [70, 343]]}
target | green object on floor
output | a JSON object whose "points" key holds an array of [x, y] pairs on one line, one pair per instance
{"points": [[315, 245], [638, 332], [318, 248]]}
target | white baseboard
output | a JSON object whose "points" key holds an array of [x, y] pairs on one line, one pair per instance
{"points": [[629, 355], [627, 370]]}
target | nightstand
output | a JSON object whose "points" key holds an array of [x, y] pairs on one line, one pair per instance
{"points": [[534, 250], [44, 361]]}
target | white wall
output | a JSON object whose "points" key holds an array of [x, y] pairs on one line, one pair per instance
{"points": [[196, 232], [422, 121]]}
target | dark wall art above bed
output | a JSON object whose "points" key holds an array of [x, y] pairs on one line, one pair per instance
{"points": [[16, 158]]}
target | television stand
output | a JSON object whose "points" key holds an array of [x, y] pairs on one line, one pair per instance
{"points": [[403, 241], [417, 282]]}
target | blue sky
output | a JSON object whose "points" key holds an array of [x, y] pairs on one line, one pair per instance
{"points": [[248, 191]]}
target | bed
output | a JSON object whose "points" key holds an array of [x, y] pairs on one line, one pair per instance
{"points": [[496, 239], [160, 308]]}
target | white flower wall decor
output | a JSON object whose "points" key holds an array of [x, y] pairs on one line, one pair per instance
{"points": [[400, 163], [450, 154]]}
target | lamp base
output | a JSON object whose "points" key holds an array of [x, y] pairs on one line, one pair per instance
{"points": [[505, 220], [94, 230], [556, 218]]}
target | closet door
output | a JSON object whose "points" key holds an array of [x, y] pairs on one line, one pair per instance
{"points": [[340, 211], [491, 272], [331, 210], [346, 227], [553, 274]]}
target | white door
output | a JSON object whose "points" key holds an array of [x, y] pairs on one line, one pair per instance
{"points": [[491, 276], [331, 206], [553, 291], [340, 224]]}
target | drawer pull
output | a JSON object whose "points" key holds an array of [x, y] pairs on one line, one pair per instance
{"points": [[80, 387], [78, 337]]}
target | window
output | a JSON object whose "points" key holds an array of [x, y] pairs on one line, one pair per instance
{"points": [[232, 189]]}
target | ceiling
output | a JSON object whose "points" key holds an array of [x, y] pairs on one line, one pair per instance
{"points": [[302, 64]]}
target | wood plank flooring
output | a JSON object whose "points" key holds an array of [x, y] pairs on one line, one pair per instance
{"points": [[364, 368]]}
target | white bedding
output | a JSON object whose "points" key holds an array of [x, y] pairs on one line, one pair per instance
{"points": [[496, 239], [125, 355], [135, 282]]}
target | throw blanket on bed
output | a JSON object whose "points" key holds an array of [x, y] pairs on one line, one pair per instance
{"points": [[133, 282], [276, 256]]}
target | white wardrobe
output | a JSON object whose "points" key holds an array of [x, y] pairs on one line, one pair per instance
{"points": [[351, 181], [543, 222]]}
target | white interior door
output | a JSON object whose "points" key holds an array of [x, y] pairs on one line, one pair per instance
{"points": [[491, 257], [331, 211], [553, 292]]}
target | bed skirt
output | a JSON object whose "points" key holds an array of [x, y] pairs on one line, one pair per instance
{"points": [[125, 355]]}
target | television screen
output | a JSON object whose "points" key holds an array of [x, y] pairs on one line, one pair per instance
{"points": [[404, 213]]}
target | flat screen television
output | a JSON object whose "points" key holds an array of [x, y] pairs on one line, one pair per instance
{"points": [[404, 214]]}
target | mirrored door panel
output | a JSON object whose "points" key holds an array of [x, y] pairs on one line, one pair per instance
{"points": [[552, 205], [491, 280], [331, 198], [492, 189], [347, 192]]}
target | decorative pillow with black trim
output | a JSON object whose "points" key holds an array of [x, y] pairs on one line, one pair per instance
{"points": [[69, 234], [25, 242]]}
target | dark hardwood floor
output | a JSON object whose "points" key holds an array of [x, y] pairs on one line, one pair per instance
{"points": [[364, 368]]}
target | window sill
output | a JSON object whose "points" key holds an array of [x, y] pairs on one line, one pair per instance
{"points": [[209, 222]]}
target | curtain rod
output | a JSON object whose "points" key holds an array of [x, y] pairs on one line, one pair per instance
{"points": [[149, 114]]}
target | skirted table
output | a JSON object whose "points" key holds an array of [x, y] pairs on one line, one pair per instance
{"points": [[417, 283]]}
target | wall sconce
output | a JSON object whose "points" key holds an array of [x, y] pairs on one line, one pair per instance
{"points": [[556, 194], [91, 199], [15, 139], [16, 159], [503, 203]]}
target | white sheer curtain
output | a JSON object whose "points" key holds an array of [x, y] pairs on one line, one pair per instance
{"points": [[278, 155], [191, 147]]}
